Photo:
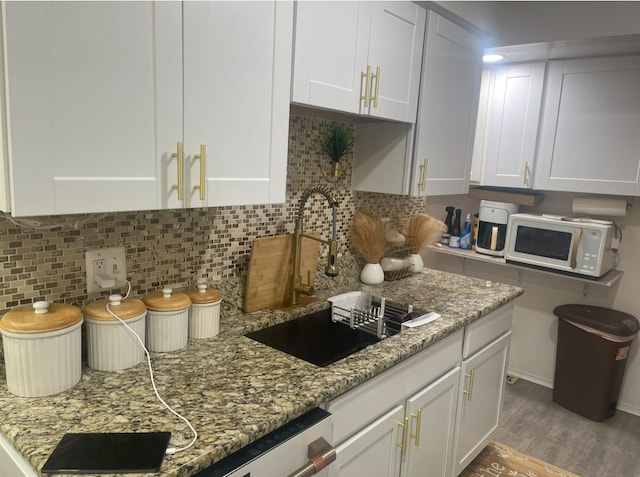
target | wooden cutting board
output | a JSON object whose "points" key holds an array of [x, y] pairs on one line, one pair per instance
{"points": [[271, 266]]}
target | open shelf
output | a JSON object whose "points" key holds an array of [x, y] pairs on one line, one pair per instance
{"points": [[607, 280]]}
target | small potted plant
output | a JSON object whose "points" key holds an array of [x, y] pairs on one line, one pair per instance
{"points": [[336, 144]]}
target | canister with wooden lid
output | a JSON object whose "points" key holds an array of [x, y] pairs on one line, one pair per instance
{"points": [[167, 320], [42, 348], [111, 346], [204, 314]]}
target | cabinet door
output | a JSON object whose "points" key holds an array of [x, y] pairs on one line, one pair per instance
{"points": [[482, 382], [448, 108], [432, 414], [589, 139], [395, 47], [237, 76], [94, 103], [330, 54], [514, 113], [374, 451]]}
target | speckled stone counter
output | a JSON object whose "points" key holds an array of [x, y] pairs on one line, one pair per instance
{"points": [[233, 389]]}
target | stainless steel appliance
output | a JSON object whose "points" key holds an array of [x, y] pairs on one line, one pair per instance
{"points": [[579, 247], [493, 219]]}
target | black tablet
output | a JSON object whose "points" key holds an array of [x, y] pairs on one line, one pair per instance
{"points": [[94, 453]]}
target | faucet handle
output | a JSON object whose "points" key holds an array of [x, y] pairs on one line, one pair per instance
{"points": [[309, 284]]}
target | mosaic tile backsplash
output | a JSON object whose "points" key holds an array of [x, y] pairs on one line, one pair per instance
{"points": [[178, 247]]}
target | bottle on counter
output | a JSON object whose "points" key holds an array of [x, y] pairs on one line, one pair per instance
{"points": [[474, 235], [448, 221], [465, 235], [454, 239]]}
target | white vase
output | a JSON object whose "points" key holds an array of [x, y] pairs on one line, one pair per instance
{"points": [[372, 274], [416, 262]]}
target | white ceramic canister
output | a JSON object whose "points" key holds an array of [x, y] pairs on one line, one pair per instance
{"points": [[204, 314], [42, 348], [167, 320], [110, 345]]}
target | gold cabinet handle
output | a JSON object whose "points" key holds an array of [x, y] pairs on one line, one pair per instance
{"points": [[527, 172], [416, 436], [423, 175], [471, 377], [180, 156], [405, 436], [367, 86], [375, 94], [203, 159]]}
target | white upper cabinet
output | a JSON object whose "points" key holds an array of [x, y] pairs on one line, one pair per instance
{"points": [[98, 118], [359, 57], [589, 140], [384, 159], [509, 131], [448, 109], [237, 77], [93, 103]]}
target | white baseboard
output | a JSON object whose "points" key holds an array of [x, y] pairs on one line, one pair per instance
{"points": [[531, 378], [635, 410], [628, 408]]}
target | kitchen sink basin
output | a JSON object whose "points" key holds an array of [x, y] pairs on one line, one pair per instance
{"points": [[315, 338]]}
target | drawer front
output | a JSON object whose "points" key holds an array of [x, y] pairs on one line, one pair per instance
{"points": [[360, 406], [483, 331]]}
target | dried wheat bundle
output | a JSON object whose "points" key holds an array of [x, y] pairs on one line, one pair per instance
{"points": [[367, 237], [423, 229]]}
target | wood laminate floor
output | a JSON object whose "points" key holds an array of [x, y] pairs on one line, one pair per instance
{"points": [[532, 423]]}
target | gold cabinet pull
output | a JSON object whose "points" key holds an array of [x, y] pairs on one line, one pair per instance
{"points": [[405, 436], [416, 436], [423, 175], [180, 156], [375, 95], [527, 172], [203, 159], [367, 86], [471, 377]]}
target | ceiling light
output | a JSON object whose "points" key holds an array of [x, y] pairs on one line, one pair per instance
{"points": [[492, 58]]}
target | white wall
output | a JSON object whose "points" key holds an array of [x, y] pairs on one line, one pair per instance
{"points": [[534, 339], [515, 23]]}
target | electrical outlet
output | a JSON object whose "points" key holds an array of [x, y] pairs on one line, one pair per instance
{"points": [[99, 266], [107, 263]]}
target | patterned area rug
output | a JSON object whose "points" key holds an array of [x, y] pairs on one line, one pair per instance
{"points": [[499, 460]]}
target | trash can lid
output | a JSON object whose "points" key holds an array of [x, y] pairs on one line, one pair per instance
{"points": [[610, 321]]}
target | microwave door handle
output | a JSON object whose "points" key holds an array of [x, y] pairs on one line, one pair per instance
{"points": [[574, 249]]}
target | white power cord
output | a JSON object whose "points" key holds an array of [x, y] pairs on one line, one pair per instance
{"points": [[170, 450]]}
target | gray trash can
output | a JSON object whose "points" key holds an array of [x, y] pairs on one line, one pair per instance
{"points": [[592, 354]]}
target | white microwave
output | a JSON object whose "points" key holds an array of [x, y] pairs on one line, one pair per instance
{"points": [[580, 247]]}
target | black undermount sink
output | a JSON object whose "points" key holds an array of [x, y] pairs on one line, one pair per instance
{"points": [[315, 338]]}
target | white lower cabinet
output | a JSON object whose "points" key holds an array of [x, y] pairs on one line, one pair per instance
{"points": [[408, 439], [429, 415], [373, 451], [480, 400]]}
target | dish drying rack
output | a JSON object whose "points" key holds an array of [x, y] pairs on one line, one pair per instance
{"points": [[383, 319], [401, 252]]}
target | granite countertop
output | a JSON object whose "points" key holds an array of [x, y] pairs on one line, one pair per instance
{"points": [[233, 389]]}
